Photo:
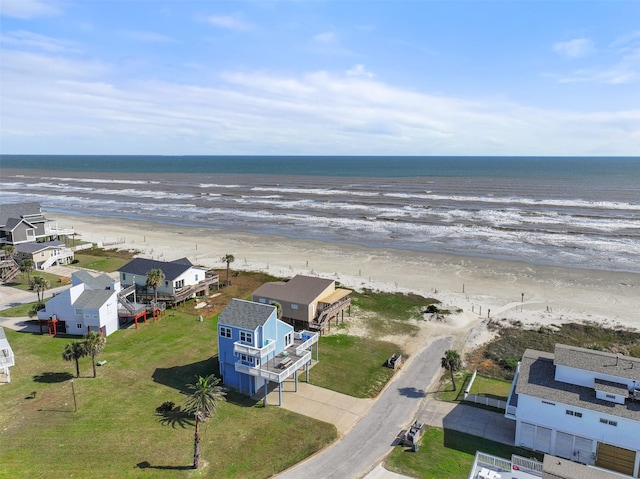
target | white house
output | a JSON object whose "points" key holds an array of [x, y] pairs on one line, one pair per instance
{"points": [[7, 359], [44, 255], [90, 304], [579, 404], [182, 280]]}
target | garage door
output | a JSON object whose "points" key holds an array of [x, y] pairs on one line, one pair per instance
{"points": [[527, 435], [543, 439], [583, 450], [564, 445], [615, 458]]}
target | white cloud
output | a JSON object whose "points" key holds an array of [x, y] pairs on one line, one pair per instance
{"points": [[230, 22], [27, 9], [29, 40], [576, 48], [325, 38], [74, 109], [359, 71]]}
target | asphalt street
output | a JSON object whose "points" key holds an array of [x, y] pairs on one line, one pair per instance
{"points": [[372, 438]]}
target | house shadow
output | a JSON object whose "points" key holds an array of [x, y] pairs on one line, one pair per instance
{"points": [[50, 377], [178, 377]]}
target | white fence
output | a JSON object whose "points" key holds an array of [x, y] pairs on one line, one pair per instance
{"points": [[479, 399]]}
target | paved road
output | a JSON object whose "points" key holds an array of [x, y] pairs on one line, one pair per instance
{"points": [[372, 437]]}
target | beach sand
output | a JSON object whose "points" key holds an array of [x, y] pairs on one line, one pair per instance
{"points": [[480, 288]]}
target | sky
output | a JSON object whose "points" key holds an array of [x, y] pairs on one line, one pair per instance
{"points": [[313, 77]]}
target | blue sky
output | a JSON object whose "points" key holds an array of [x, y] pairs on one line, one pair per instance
{"points": [[358, 77]]}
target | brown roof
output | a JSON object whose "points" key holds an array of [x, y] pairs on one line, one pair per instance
{"points": [[556, 468], [299, 289]]}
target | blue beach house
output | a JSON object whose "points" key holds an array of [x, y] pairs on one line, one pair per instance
{"points": [[256, 348]]}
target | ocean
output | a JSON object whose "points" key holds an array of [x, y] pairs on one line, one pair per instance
{"points": [[565, 211]]}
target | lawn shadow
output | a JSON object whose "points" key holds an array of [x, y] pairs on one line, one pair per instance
{"points": [[178, 377], [147, 465], [175, 418], [49, 377]]}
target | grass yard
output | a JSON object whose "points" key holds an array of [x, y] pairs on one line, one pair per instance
{"points": [[20, 310], [116, 432], [482, 385], [446, 454], [353, 365], [22, 281], [107, 264]]}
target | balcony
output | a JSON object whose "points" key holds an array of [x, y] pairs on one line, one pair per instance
{"points": [[242, 348], [512, 400], [282, 365]]}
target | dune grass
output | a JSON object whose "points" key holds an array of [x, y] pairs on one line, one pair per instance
{"points": [[116, 431]]}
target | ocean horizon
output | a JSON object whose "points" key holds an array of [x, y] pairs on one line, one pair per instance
{"points": [[580, 212]]}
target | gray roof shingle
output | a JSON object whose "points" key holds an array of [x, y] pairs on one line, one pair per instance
{"points": [[20, 210], [245, 314], [31, 248], [171, 269], [597, 361], [92, 299], [537, 379], [102, 281]]}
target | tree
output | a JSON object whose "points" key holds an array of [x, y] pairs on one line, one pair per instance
{"points": [[27, 266], [452, 362], [228, 258], [9, 249], [73, 352], [155, 277], [94, 344], [39, 285], [203, 402], [278, 309]]}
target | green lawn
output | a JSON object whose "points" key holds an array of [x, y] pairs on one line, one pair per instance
{"points": [[116, 432], [446, 454], [482, 385], [107, 264], [22, 280], [20, 310], [353, 365]]}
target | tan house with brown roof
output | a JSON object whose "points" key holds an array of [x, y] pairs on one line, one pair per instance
{"points": [[306, 302]]}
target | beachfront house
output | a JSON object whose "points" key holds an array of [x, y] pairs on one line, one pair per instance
{"points": [[182, 280], [256, 348], [25, 223], [7, 359], [45, 254], [579, 404], [90, 304], [307, 302]]}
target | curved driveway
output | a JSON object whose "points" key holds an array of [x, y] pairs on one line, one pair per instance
{"points": [[372, 438]]}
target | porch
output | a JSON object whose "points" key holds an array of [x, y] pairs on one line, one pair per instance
{"points": [[276, 368]]}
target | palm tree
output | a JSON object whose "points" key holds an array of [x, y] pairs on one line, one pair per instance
{"points": [[27, 266], [94, 344], [39, 285], [228, 258], [452, 362], [203, 402], [73, 352], [155, 277]]}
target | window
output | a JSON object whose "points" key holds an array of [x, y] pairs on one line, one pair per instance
{"points": [[262, 300], [610, 396], [79, 325], [246, 337], [287, 340], [570, 413], [578, 414], [573, 413], [294, 306], [608, 421], [79, 311], [196, 277], [549, 403], [124, 276], [225, 332]]}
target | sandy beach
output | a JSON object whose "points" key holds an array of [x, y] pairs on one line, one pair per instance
{"points": [[480, 288]]}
